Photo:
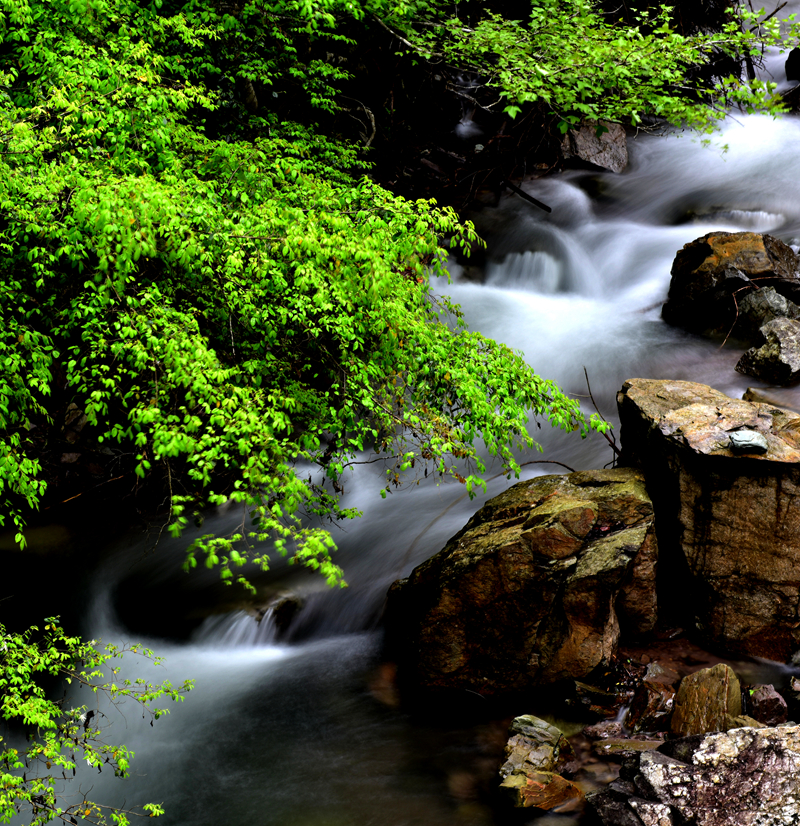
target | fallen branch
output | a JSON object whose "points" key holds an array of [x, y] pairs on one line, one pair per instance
{"points": [[525, 195]]}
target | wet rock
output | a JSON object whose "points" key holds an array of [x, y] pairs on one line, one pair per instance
{"points": [[778, 360], [653, 701], [608, 150], [767, 706], [534, 752], [745, 777], [759, 307], [744, 721], [713, 274], [533, 745], [606, 730], [541, 790], [652, 814], [597, 700], [706, 701], [793, 65], [74, 422], [613, 808], [534, 589], [284, 609], [775, 397], [617, 749], [729, 522]]}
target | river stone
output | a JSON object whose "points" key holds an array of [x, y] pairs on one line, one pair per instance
{"points": [[792, 65], [759, 307], [541, 790], [767, 706], [608, 150], [745, 777], [713, 274], [728, 525], [707, 700], [533, 745], [748, 441], [651, 707], [533, 752], [778, 360], [533, 590], [623, 747]]}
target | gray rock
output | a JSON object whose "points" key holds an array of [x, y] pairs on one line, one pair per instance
{"points": [[533, 745], [715, 273], [748, 441], [745, 777], [529, 776], [778, 360], [729, 523], [534, 589], [608, 150], [758, 308]]}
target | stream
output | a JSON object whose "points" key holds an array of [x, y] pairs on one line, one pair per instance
{"points": [[297, 732]]}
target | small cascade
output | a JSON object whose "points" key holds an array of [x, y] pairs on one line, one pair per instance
{"points": [[529, 270], [237, 629]]}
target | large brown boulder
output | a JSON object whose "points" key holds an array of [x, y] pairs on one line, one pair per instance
{"points": [[534, 588], [713, 276], [724, 476]]}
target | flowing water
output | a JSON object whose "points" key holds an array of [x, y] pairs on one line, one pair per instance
{"points": [[290, 733]]}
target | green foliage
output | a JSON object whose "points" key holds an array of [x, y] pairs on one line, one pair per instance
{"points": [[59, 735], [572, 59], [225, 310]]}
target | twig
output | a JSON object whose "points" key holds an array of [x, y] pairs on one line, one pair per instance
{"points": [[610, 439]]}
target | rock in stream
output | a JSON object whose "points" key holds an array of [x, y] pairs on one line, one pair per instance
{"points": [[728, 521], [534, 589]]}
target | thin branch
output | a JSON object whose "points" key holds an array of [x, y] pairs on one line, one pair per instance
{"points": [[610, 439]]}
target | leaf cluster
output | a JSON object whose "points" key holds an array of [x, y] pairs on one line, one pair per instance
{"points": [[60, 734], [225, 310]]}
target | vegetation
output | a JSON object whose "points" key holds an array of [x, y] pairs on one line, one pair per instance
{"points": [[205, 296], [216, 288], [30, 775]]}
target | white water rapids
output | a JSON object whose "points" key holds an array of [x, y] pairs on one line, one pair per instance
{"points": [[287, 734]]}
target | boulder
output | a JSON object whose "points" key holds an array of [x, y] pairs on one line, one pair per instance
{"points": [[534, 752], [777, 361], [608, 149], [707, 700], [728, 522], [533, 590], [767, 706], [745, 777], [713, 276]]}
